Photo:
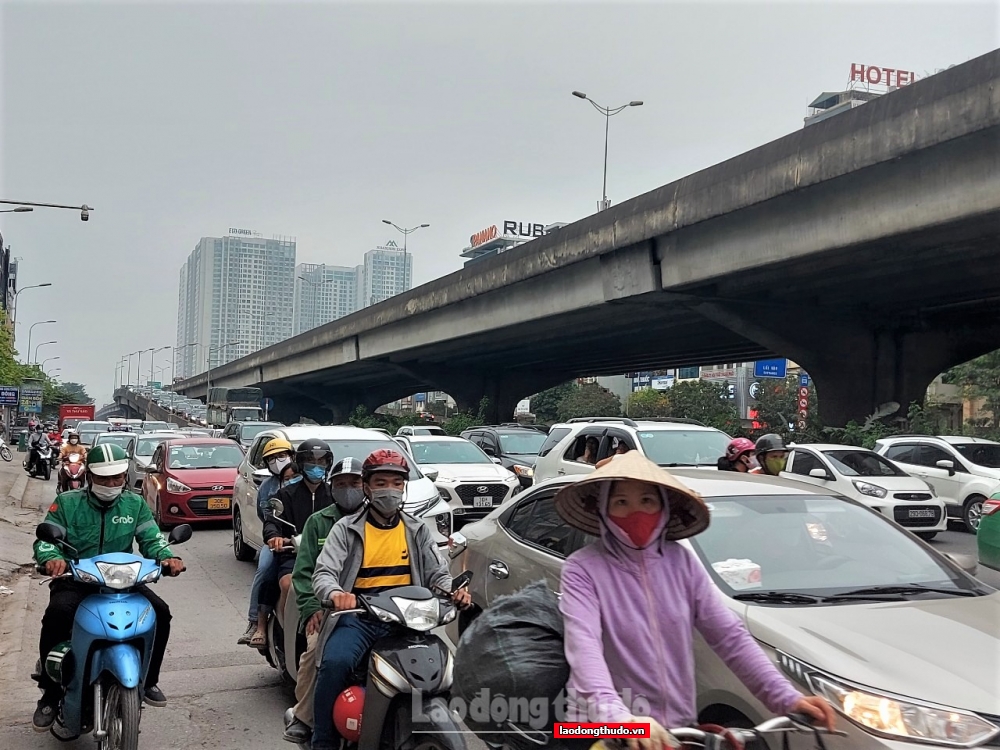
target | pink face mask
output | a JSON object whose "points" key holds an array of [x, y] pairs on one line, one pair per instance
{"points": [[639, 526]]}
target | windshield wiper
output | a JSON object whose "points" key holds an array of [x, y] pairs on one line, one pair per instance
{"points": [[678, 465], [777, 597], [898, 591]]}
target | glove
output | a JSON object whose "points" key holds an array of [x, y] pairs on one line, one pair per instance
{"points": [[659, 738]]}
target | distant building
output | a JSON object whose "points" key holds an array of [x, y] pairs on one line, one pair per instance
{"points": [[387, 271], [233, 288], [493, 240], [865, 82], [832, 103], [323, 293]]}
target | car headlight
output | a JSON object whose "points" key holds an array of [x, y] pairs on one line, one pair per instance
{"points": [[872, 490], [418, 614], [444, 495], [174, 486], [523, 471], [893, 716], [119, 575]]}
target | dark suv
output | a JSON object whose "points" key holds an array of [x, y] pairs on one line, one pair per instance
{"points": [[245, 432], [515, 445]]}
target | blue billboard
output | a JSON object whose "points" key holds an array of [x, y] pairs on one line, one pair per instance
{"points": [[8, 395], [771, 368]]}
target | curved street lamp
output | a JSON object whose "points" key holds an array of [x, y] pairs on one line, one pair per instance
{"points": [[35, 360], [608, 113], [13, 320], [47, 359], [406, 233], [32, 327]]}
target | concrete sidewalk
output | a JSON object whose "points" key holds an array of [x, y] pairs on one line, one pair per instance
{"points": [[23, 502]]}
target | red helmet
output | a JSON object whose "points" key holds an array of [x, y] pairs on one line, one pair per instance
{"points": [[738, 447], [347, 710], [385, 459]]}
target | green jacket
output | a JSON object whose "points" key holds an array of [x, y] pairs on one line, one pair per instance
{"points": [[314, 535], [94, 529]]}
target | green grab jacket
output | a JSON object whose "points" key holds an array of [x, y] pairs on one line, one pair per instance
{"points": [[94, 529], [314, 535]]}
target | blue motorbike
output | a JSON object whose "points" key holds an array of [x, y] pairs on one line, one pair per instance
{"points": [[103, 667]]}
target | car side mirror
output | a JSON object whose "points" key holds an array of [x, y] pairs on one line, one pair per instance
{"points": [[946, 464], [489, 452], [432, 474], [968, 563], [260, 475], [457, 544], [820, 474], [497, 460], [179, 534]]}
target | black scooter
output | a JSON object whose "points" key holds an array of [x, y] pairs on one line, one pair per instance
{"points": [[409, 660]]}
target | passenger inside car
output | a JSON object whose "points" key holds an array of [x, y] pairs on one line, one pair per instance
{"points": [[590, 448]]}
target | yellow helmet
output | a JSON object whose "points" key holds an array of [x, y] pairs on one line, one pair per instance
{"points": [[277, 445]]}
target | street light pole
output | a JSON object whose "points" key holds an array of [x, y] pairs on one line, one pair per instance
{"points": [[48, 359], [84, 209], [35, 360], [406, 233], [13, 335], [608, 113], [182, 348], [152, 360], [208, 376], [32, 328], [315, 293], [18, 210]]}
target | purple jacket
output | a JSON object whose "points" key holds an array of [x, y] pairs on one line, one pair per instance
{"points": [[630, 617]]}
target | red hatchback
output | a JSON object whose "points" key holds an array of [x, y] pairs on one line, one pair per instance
{"points": [[191, 479]]}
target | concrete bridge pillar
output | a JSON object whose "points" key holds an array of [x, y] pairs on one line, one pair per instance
{"points": [[501, 389], [858, 364]]}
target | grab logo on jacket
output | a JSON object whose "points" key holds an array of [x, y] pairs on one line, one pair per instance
{"points": [[122, 519]]}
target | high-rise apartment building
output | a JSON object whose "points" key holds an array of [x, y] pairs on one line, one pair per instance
{"points": [[234, 299], [323, 293], [387, 271]]}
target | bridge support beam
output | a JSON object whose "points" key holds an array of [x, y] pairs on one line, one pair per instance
{"points": [[857, 364], [501, 389]]}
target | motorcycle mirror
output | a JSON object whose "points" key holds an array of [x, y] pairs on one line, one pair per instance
{"points": [[461, 581], [179, 534], [277, 507], [50, 532]]}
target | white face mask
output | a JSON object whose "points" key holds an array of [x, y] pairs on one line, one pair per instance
{"points": [[107, 495], [277, 464]]}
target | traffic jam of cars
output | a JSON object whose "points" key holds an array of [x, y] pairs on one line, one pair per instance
{"points": [[826, 562]]}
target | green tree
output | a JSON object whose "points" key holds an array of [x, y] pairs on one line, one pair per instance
{"points": [[706, 402], [589, 400], [648, 403], [980, 379], [545, 405], [777, 407], [459, 422], [77, 392]]}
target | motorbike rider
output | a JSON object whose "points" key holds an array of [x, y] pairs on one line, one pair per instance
{"points": [[379, 548], [36, 441], [738, 457], [348, 496], [772, 454], [72, 447], [103, 517], [277, 454], [621, 641], [300, 500]]}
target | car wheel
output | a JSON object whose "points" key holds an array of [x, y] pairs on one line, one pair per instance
{"points": [[926, 535], [972, 512], [243, 551], [158, 517]]}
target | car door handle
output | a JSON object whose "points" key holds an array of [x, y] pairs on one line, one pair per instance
{"points": [[499, 570], [561, 472]]}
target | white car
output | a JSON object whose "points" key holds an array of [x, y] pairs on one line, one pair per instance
{"points": [[668, 442], [964, 471], [421, 498], [867, 477], [471, 482]]}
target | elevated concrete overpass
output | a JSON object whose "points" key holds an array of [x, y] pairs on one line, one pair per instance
{"points": [[137, 406], [865, 248]]}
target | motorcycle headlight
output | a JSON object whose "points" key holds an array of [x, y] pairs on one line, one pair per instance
{"points": [[84, 577], [418, 614], [872, 490], [384, 615], [153, 575], [892, 716], [174, 486], [119, 575]]}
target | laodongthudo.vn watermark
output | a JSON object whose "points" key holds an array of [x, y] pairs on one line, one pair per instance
{"points": [[614, 730]]}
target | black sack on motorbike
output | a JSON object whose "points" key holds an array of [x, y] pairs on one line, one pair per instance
{"points": [[514, 650]]}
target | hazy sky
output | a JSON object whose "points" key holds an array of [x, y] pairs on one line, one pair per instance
{"points": [[178, 121]]}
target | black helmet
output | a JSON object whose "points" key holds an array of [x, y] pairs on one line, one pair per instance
{"points": [[768, 443], [347, 466], [313, 451]]}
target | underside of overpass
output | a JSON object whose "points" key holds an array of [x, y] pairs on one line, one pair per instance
{"points": [[875, 275]]}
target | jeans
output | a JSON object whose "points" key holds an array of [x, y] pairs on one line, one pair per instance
{"points": [[57, 626], [345, 649], [267, 572]]}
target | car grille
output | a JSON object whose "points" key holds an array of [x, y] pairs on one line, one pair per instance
{"points": [[466, 493], [901, 514], [913, 496]]}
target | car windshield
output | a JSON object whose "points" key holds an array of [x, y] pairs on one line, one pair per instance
{"points": [[361, 449], [981, 454], [147, 447], [854, 463], [812, 544], [447, 452], [121, 439], [684, 447], [250, 431], [204, 456], [521, 443], [150, 426]]}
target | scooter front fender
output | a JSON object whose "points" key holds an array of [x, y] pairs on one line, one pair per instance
{"points": [[123, 661]]}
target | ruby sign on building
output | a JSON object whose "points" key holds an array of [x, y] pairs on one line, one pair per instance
{"points": [[881, 76]]}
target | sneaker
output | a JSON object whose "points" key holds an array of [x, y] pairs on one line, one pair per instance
{"points": [[297, 732], [153, 696], [244, 639], [45, 714]]}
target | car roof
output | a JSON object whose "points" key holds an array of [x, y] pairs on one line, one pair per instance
{"points": [[828, 447], [646, 425], [711, 483], [200, 440], [328, 432], [265, 424], [956, 439], [435, 438]]}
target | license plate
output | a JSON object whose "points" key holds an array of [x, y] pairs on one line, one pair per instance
{"points": [[921, 513], [482, 501], [218, 503]]}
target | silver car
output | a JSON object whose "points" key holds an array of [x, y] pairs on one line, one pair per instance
{"points": [[901, 640], [140, 454]]}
